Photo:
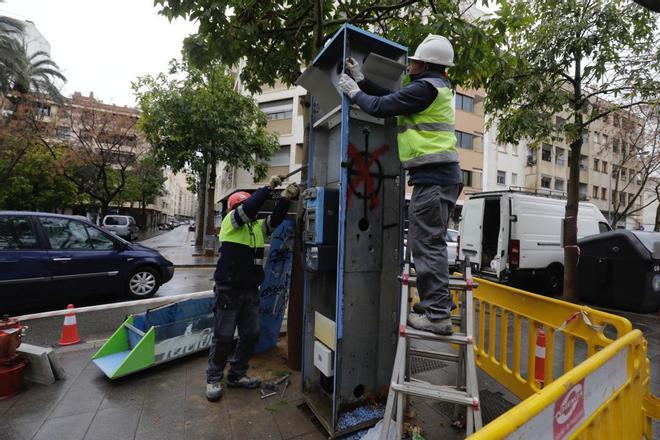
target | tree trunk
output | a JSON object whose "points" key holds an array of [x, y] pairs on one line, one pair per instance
{"points": [[570, 224], [210, 228], [657, 219], [201, 195], [210, 214], [105, 207]]}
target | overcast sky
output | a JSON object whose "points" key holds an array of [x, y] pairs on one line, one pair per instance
{"points": [[103, 45]]}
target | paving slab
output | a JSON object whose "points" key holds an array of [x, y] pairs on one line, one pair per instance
{"points": [[70, 427]]}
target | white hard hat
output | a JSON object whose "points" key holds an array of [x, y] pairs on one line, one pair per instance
{"points": [[435, 49]]}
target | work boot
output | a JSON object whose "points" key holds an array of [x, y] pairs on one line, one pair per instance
{"points": [[213, 392], [422, 322], [243, 382]]}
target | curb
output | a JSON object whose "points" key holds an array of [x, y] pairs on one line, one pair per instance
{"points": [[87, 345]]}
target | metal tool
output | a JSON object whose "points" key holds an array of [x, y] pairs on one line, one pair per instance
{"points": [[265, 396], [282, 379], [293, 172], [286, 384]]}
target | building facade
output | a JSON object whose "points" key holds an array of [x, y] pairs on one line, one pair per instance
{"points": [[284, 108], [610, 166]]}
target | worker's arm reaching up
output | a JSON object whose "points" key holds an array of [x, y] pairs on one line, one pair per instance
{"points": [[249, 209], [381, 102]]}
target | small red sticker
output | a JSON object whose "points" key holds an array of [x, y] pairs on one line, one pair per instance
{"points": [[569, 410]]}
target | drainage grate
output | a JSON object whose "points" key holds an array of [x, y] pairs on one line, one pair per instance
{"points": [[492, 405], [422, 365]]}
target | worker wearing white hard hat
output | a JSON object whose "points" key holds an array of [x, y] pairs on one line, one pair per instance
{"points": [[427, 150]]}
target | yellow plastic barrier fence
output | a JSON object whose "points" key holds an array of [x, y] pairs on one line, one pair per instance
{"points": [[596, 375]]}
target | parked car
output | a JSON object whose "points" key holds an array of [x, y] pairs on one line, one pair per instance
{"points": [[122, 225], [52, 258], [515, 235], [191, 227]]}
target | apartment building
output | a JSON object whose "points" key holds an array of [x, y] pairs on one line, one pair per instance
{"points": [[609, 165], [284, 108]]}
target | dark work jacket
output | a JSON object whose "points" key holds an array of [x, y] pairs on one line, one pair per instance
{"points": [[239, 266]]}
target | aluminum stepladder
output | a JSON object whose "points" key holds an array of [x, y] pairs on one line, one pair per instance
{"points": [[466, 391]]}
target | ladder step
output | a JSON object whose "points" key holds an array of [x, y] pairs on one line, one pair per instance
{"points": [[456, 338], [451, 357], [454, 284], [437, 392]]}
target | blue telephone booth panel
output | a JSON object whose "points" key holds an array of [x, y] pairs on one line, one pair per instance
{"points": [[352, 239]]}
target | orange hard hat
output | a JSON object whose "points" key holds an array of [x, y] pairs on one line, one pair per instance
{"points": [[237, 198]]}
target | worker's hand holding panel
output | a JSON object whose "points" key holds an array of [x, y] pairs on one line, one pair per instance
{"points": [[348, 85], [291, 192], [354, 69]]}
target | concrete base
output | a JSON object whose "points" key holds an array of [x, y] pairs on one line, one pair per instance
{"points": [[43, 366]]}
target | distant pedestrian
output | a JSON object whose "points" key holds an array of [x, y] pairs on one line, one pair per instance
{"points": [[238, 274]]}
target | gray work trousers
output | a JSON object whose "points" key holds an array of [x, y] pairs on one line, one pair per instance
{"points": [[233, 308], [428, 215]]}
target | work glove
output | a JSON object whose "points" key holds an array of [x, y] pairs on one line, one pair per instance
{"points": [[354, 69], [348, 85], [290, 192], [274, 182]]}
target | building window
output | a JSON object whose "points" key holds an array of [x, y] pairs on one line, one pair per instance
{"points": [[622, 198], [464, 140], [560, 121], [465, 103], [583, 190], [514, 149], [546, 152], [605, 139], [63, 132], [603, 193], [531, 157], [559, 156], [467, 177], [281, 109], [280, 157], [615, 145], [514, 179], [546, 182], [595, 192], [614, 195], [604, 167], [596, 164], [623, 174], [44, 109], [584, 164], [559, 184], [501, 178], [631, 196]]}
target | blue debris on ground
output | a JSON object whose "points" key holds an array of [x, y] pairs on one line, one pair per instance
{"points": [[359, 415]]}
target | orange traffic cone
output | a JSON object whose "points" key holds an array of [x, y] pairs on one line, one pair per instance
{"points": [[69, 334], [539, 358]]}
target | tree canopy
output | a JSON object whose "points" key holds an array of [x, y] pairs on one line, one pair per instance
{"points": [[277, 37], [194, 117], [577, 59]]}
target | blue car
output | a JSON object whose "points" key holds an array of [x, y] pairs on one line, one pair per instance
{"points": [[49, 258]]}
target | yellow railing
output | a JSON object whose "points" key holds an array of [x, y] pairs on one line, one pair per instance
{"points": [[583, 346]]}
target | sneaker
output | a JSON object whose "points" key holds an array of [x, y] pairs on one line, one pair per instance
{"points": [[243, 382], [421, 322], [213, 392]]}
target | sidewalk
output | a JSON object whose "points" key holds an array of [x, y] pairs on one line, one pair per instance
{"points": [[164, 402]]}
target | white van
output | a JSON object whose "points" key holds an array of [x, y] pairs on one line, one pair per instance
{"points": [[513, 235]]}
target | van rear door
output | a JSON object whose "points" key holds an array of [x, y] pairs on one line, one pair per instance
{"points": [[471, 230], [500, 261]]}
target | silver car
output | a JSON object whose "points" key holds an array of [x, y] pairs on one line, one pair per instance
{"points": [[123, 226]]}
